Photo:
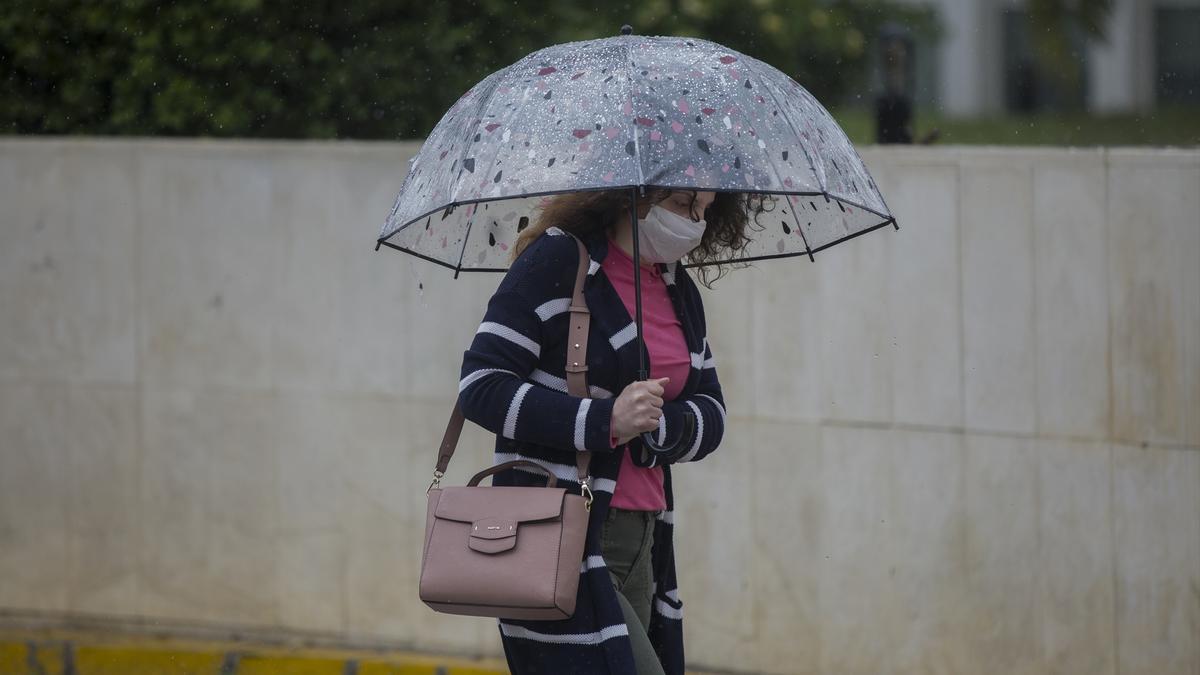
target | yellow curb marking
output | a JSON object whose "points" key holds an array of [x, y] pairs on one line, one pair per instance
{"points": [[96, 660], [126, 658], [12, 658], [264, 664]]}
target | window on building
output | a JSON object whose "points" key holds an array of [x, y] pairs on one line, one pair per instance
{"points": [[921, 68], [1177, 54], [1031, 86], [926, 73]]}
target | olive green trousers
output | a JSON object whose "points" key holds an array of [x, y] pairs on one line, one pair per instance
{"points": [[626, 540]]}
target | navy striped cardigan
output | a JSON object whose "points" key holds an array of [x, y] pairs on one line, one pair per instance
{"points": [[513, 384]]}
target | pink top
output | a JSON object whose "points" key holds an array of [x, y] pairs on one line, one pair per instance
{"points": [[639, 488]]}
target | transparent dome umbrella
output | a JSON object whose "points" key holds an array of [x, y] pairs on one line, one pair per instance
{"points": [[631, 112]]}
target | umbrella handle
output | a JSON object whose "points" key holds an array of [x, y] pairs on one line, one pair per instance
{"points": [[689, 424]]}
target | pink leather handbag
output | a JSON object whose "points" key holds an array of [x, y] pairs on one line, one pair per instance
{"points": [[510, 552]]}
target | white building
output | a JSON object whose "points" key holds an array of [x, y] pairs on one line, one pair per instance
{"points": [[1151, 57]]}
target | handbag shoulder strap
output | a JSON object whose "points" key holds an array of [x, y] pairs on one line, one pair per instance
{"points": [[577, 343], [576, 371]]}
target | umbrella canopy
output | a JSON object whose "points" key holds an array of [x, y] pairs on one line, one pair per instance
{"points": [[631, 112]]}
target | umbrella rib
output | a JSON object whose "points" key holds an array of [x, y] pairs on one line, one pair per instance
{"points": [[485, 101], [637, 151], [447, 265], [772, 256], [779, 180], [770, 90], [857, 205], [885, 223], [466, 238]]}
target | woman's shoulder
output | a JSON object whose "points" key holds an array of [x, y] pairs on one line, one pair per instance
{"points": [[553, 242], [546, 260]]}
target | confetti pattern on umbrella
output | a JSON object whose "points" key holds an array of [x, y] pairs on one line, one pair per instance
{"points": [[630, 111]]}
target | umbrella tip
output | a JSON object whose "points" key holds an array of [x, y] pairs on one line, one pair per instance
{"points": [[626, 30]]}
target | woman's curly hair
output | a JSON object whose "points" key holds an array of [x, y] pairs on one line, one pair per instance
{"points": [[726, 219]]}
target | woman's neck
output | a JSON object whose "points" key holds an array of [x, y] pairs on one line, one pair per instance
{"points": [[623, 236]]}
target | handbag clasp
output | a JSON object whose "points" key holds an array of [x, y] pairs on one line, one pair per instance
{"points": [[587, 494], [437, 481]]}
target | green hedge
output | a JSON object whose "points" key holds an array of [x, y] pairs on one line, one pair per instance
{"points": [[360, 68]]}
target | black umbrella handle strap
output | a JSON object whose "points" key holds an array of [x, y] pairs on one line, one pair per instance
{"points": [[577, 340]]}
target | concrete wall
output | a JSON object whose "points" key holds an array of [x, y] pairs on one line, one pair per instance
{"points": [[972, 445]]}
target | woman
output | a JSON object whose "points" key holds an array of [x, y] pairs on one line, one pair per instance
{"points": [[628, 613]]}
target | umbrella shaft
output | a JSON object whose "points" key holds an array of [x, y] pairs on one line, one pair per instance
{"points": [[637, 283]]}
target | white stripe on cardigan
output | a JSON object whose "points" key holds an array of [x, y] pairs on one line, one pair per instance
{"points": [[581, 423], [510, 335], [720, 408], [559, 384], [691, 453], [514, 408], [552, 308], [476, 374], [606, 633], [604, 485], [623, 336], [565, 472], [667, 610]]}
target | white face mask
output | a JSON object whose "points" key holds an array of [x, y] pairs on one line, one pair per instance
{"points": [[664, 236]]}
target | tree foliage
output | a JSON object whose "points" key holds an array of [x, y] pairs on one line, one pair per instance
{"points": [[360, 68]]}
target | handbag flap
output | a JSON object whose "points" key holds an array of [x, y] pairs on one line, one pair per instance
{"points": [[517, 504]]}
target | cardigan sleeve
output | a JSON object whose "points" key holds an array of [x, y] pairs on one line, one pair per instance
{"points": [[494, 390], [706, 404]]}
